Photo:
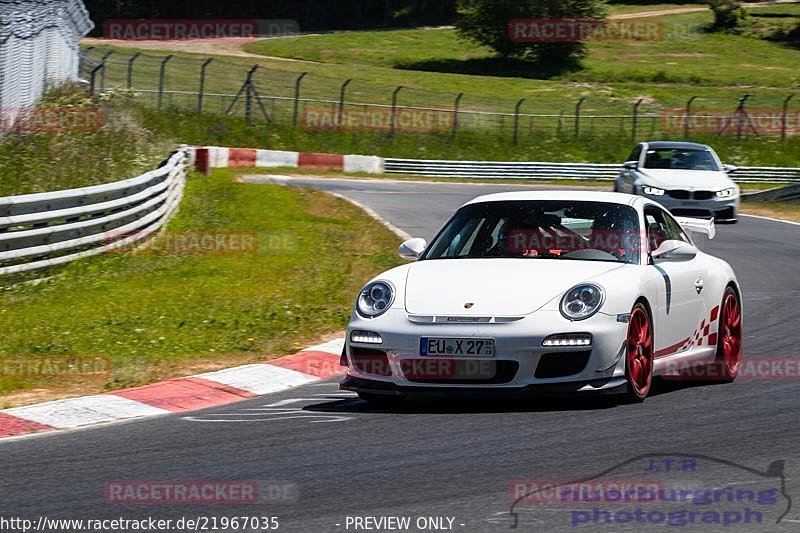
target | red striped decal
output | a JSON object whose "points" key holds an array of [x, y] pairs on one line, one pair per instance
{"points": [[320, 364], [241, 157], [179, 395], [321, 161], [669, 350], [11, 426], [714, 313], [202, 161]]}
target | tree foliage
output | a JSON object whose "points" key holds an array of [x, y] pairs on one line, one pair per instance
{"points": [[311, 15], [729, 15], [487, 22]]}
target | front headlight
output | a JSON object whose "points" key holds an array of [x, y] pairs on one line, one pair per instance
{"points": [[727, 193], [375, 299], [653, 191], [582, 301]]}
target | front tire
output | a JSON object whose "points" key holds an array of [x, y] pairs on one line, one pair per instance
{"points": [[639, 354], [729, 336]]}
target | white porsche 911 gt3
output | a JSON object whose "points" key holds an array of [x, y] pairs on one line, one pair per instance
{"points": [[547, 292]]}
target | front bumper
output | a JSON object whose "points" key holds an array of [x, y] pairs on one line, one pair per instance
{"points": [[721, 210], [520, 365], [603, 387]]}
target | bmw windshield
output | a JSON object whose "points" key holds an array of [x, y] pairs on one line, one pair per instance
{"points": [[680, 159], [585, 231]]}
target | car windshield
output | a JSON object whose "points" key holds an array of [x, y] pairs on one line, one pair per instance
{"points": [[566, 230], [680, 159]]}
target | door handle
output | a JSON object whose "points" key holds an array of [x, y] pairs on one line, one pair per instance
{"points": [[698, 285]]}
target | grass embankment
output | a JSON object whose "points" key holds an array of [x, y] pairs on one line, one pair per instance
{"points": [[41, 161], [433, 65], [233, 131], [781, 210], [678, 63], [160, 315]]}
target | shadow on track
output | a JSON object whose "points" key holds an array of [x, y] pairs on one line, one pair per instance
{"points": [[466, 405]]}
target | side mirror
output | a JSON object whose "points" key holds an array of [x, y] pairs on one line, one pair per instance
{"points": [[730, 169], [412, 249], [674, 251], [631, 165]]}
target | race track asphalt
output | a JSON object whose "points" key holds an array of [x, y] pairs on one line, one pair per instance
{"points": [[335, 456]]}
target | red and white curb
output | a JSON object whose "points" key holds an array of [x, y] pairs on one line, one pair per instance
{"points": [[177, 395], [208, 157]]}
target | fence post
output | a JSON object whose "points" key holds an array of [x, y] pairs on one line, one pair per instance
{"points": [[161, 80], [560, 125], [92, 82], [456, 105], [248, 95], [578, 116], [516, 119], [636, 117], [103, 73], [341, 101], [202, 85], [740, 114], [785, 115], [297, 97], [394, 109], [688, 118], [130, 69]]}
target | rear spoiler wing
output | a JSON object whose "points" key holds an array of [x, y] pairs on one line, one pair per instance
{"points": [[698, 225]]}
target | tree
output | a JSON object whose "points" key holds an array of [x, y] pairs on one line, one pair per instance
{"points": [[728, 14], [487, 22]]}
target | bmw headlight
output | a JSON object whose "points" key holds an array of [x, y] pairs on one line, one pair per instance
{"points": [[727, 193], [653, 191], [375, 299], [582, 301]]}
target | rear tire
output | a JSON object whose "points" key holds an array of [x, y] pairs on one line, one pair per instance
{"points": [[639, 354]]}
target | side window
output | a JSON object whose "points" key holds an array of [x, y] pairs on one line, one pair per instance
{"points": [[675, 230], [657, 230], [662, 227], [636, 154]]}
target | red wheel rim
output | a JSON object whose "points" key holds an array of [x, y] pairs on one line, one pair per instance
{"points": [[640, 352], [731, 331]]}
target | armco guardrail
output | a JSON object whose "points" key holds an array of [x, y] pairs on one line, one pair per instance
{"points": [[48, 229], [548, 171]]}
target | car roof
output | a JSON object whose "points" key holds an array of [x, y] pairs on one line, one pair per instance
{"points": [[677, 145], [562, 195]]}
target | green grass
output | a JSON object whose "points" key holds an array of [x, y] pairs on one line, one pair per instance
{"points": [[158, 315], [33, 162], [434, 66], [782, 210], [327, 174], [233, 131], [682, 58]]}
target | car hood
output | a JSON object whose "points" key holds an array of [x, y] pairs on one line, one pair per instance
{"points": [[704, 180], [495, 287]]}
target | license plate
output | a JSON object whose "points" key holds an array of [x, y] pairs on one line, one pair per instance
{"points": [[456, 347]]}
